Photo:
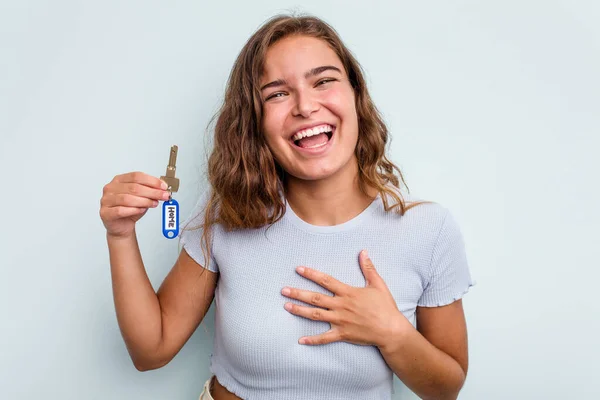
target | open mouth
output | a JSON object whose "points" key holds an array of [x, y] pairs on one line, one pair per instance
{"points": [[313, 138]]}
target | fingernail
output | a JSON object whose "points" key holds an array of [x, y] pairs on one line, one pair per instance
{"points": [[165, 195], [163, 185], [155, 203], [300, 269], [365, 254], [285, 291]]}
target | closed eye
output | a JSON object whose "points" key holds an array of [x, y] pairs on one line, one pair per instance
{"points": [[319, 83], [274, 95], [325, 80]]}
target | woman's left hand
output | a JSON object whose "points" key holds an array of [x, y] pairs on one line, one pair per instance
{"points": [[365, 316]]}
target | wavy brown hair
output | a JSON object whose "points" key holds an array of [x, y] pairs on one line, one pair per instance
{"points": [[247, 182]]}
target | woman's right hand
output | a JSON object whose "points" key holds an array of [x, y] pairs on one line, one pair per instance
{"points": [[126, 199]]}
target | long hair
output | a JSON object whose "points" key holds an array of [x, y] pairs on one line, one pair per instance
{"points": [[246, 180]]}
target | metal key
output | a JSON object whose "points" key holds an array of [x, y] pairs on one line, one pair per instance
{"points": [[170, 176]]}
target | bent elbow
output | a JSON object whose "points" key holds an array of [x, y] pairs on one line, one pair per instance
{"points": [[148, 364]]}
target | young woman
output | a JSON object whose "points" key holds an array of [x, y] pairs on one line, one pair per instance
{"points": [[327, 280]]}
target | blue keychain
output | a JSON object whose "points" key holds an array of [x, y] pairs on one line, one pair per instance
{"points": [[170, 224]]}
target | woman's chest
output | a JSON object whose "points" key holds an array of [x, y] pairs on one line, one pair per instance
{"points": [[254, 268]]}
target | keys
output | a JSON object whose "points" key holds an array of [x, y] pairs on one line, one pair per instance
{"points": [[170, 224], [170, 176]]}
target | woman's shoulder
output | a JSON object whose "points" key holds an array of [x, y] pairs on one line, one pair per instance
{"points": [[195, 217], [423, 214], [416, 205]]}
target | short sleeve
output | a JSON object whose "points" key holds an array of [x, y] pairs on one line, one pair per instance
{"points": [[191, 232], [450, 278]]}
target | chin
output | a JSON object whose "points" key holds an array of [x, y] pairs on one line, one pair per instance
{"points": [[315, 175], [320, 169]]}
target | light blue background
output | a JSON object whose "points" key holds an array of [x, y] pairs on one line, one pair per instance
{"points": [[494, 109]]}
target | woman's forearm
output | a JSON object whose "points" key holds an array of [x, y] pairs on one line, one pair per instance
{"points": [[136, 303], [422, 367]]}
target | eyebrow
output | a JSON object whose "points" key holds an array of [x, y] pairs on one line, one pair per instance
{"points": [[309, 74]]}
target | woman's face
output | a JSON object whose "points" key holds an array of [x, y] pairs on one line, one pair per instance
{"points": [[304, 86]]}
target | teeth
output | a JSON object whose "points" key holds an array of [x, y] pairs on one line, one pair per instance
{"points": [[312, 131]]}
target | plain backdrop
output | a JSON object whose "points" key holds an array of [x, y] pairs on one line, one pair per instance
{"points": [[494, 112]]}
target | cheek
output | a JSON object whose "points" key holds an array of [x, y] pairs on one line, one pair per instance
{"points": [[341, 102], [272, 123]]}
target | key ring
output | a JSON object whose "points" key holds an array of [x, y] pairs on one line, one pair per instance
{"points": [[170, 193]]}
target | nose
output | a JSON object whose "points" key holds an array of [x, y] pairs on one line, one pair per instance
{"points": [[305, 105]]}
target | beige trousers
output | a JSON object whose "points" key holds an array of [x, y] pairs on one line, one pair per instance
{"points": [[205, 395]]}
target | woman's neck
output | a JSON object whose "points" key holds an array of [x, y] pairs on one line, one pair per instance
{"points": [[331, 201]]}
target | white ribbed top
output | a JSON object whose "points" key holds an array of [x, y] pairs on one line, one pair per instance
{"points": [[256, 355]]}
